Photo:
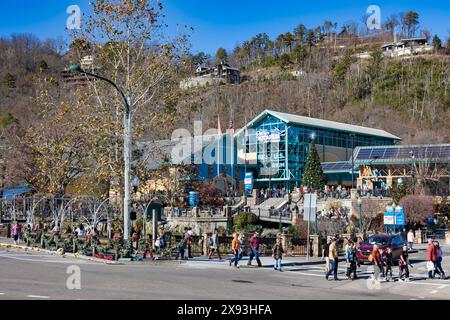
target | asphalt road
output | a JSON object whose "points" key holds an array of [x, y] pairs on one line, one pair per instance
{"points": [[34, 275]]}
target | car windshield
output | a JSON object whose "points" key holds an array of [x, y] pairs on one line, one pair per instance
{"points": [[377, 240]]}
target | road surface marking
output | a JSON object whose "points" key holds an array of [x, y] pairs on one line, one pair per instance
{"points": [[44, 260], [1, 293], [38, 297], [442, 286], [433, 291]]}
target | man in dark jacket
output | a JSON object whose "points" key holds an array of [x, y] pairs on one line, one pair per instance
{"points": [[254, 247]]}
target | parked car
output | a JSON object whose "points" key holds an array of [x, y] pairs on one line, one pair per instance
{"points": [[384, 241]]}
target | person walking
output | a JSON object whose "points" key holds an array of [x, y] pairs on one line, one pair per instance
{"points": [[181, 250], [403, 265], [236, 247], [431, 259], [188, 242], [333, 256], [214, 245], [254, 247], [410, 239], [325, 254], [350, 257], [375, 259], [277, 254], [16, 232], [438, 263], [388, 262]]}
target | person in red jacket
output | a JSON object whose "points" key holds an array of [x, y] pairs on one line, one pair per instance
{"points": [[431, 258], [254, 246]]}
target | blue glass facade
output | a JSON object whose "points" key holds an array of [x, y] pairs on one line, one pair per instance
{"points": [[276, 150]]}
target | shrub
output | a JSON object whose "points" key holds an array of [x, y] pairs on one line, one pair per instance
{"points": [[244, 221]]}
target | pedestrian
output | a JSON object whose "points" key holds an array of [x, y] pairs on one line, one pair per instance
{"points": [[410, 238], [375, 259], [325, 254], [254, 247], [162, 239], [438, 263], [333, 256], [350, 257], [388, 262], [277, 254], [8, 230], [181, 250], [191, 239], [16, 232], [214, 245], [188, 242], [236, 247], [403, 265], [431, 259]]}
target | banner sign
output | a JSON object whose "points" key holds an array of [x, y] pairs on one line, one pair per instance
{"points": [[399, 216], [273, 135], [248, 182]]}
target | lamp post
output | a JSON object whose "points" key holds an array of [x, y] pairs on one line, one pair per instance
{"points": [[413, 172], [360, 213], [75, 68], [353, 159]]}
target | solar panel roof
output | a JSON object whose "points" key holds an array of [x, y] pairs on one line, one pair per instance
{"points": [[437, 153]]}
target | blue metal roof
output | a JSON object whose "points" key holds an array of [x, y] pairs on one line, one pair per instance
{"points": [[14, 192]]}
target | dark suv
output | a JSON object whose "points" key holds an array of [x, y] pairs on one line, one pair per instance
{"points": [[384, 241]]}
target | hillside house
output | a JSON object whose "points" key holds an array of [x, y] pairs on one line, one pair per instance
{"points": [[221, 73], [406, 47]]}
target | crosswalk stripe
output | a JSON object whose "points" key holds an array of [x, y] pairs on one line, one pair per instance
{"points": [[38, 297]]}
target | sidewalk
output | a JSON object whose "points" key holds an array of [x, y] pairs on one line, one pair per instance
{"points": [[266, 261]]}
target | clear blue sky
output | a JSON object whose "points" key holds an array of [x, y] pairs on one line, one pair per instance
{"points": [[227, 23]]}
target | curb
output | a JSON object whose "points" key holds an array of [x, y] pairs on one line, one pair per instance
{"points": [[53, 253], [83, 257]]}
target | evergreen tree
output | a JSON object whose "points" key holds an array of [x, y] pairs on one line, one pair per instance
{"points": [[9, 81], [43, 66], [221, 56], [437, 43], [410, 22], [300, 33], [313, 174]]}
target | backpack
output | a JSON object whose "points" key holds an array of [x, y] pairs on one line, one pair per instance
{"points": [[350, 255]]}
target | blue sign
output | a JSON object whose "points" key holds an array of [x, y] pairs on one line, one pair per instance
{"points": [[389, 217], [194, 198], [248, 182], [399, 216]]}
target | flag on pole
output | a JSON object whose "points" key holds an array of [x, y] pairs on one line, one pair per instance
{"points": [[219, 138]]}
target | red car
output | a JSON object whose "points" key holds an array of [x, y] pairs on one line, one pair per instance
{"points": [[384, 241]]}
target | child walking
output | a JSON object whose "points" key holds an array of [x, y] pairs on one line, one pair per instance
{"points": [[277, 254]]}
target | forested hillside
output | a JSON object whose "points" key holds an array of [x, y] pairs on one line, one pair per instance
{"points": [[42, 118]]}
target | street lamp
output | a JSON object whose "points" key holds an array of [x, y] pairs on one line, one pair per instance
{"points": [[413, 172], [360, 213], [75, 68], [353, 159]]}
